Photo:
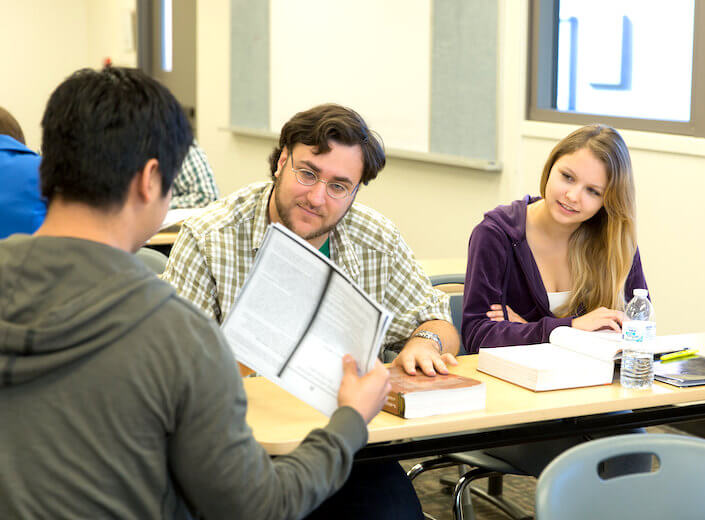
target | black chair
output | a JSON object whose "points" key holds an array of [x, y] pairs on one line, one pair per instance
{"points": [[482, 465]]}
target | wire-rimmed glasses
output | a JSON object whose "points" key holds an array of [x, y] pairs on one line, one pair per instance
{"points": [[335, 189]]}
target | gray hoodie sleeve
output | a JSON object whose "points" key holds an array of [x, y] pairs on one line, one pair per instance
{"points": [[221, 469]]}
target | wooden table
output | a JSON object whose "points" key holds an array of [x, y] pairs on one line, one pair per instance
{"points": [[163, 238], [512, 414]]}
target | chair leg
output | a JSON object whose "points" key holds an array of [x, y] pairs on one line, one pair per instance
{"points": [[438, 462], [465, 497], [463, 482], [495, 485], [435, 463], [463, 511], [458, 511], [510, 509]]}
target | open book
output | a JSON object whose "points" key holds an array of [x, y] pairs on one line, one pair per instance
{"points": [[297, 315], [572, 359]]}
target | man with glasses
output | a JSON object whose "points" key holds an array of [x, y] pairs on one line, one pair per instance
{"points": [[323, 156]]}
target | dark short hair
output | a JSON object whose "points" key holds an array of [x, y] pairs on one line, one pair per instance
{"points": [[319, 125], [10, 126], [101, 127]]}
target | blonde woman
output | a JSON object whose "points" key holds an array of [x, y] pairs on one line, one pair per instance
{"points": [[566, 258]]}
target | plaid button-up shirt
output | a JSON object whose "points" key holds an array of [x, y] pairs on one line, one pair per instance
{"points": [[214, 252], [194, 186]]}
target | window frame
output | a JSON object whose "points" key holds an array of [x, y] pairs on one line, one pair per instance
{"points": [[542, 75]]}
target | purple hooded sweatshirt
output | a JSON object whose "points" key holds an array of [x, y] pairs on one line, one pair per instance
{"points": [[502, 269]]}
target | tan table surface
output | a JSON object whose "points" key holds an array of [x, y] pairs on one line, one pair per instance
{"points": [[280, 421], [163, 238]]}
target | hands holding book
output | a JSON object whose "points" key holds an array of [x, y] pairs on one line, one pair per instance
{"points": [[365, 394]]}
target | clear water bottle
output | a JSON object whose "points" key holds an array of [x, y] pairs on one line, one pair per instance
{"points": [[638, 329]]}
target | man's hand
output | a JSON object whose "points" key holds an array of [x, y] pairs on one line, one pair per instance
{"points": [[423, 353], [365, 394]]}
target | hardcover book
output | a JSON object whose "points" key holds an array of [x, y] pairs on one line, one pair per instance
{"points": [[573, 358], [421, 395]]}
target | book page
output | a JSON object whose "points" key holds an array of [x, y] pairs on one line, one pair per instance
{"points": [[346, 322], [600, 345], [275, 305], [608, 344], [287, 329]]}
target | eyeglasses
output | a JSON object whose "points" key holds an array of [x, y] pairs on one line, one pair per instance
{"points": [[334, 189]]}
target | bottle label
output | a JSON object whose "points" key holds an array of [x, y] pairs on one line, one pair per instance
{"points": [[638, 330]]}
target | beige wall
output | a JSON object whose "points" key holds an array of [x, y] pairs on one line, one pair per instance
{"points": [[43, 41], [111, 32], [41, 44]]}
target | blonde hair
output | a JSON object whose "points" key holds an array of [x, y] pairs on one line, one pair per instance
{"points": [[601, 250]]}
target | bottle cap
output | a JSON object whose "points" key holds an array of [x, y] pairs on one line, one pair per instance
{"points": [[641, 292]]}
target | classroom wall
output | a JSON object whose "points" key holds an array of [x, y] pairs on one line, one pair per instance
{"points": [[112, 32], [43, 41], [40, 46]]}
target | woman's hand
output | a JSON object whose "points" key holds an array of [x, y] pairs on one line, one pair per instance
{"points": [[601, 318], [495, 314]]}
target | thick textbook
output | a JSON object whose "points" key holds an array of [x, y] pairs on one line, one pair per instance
{"points": [[297, 315], [573, 358], [421, 395]]}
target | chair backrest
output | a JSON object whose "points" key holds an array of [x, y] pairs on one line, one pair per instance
{"points": [[570, 486], [453, 285], [152, 258]]}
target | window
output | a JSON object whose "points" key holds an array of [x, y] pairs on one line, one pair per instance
{"points": [[630, 63], [167, 41]]}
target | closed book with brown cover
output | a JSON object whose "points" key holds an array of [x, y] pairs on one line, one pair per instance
{"points": [[421, 395]]}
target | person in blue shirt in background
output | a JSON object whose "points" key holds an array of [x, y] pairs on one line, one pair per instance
{"points": [[22, 207]]}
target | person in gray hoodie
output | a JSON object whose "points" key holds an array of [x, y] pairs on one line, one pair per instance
{"points": [[118, 399]]}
